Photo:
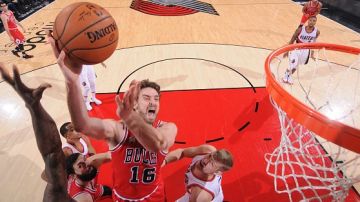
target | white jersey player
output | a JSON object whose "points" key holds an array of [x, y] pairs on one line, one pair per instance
{"points": [[304, 34], [87, 81], [75, 141], [203, 177]]}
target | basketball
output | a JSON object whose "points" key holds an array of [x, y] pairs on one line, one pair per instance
{"points": [[86, 32]]}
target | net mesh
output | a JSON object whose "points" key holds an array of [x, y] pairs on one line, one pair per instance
{"points": [[304, 165]]}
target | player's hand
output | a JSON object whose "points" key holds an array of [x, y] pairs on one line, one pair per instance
{"points": [[125, 106], [70, 68], [31, 96], [91, 161]]}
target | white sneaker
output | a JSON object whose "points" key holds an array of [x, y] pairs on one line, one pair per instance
{"points": [[284, 79], [96, 101], [289, 80], [88, 106]]}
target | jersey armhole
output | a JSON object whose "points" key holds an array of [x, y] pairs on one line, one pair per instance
{"points": [[126, 131], [201, 187]]}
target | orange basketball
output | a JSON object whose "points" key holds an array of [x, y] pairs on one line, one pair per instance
{"points": [[86, 32]]}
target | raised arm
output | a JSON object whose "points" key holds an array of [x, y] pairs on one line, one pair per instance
{"points": [[47, 137], [93, 127], [98, 159], [189, 152]]}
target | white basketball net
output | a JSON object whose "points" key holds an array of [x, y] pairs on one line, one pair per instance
{"points": [[305, 166]]}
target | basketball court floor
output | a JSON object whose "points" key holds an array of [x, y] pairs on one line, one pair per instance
{"points": [[210, 65]]}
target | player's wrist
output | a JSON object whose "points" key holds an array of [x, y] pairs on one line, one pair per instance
{"points": [[131, 119]]}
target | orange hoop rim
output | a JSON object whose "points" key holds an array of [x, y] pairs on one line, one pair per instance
{"points": [[332, 130]]}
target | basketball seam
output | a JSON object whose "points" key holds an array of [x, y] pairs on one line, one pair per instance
{"points": [[67, 20], [81, 31], [93, 48], [73, 55]]}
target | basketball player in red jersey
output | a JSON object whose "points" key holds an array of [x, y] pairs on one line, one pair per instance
{"points": [[311, 8], [82, 174], [138, 145], [75, 143], [47, 137], [11, 27]]}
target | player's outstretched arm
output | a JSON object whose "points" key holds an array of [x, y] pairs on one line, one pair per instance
{"points": [[93, 127], [47, 136], [98, 159], [189, 152]]}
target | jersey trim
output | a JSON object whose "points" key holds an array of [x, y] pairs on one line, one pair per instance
{"points": [[201, 187], [81, 192], [118, 146], [136, 199], [197, 177]]}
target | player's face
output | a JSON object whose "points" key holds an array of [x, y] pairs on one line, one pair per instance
{"points": [[209, 164], [312, 22], [148, 104], [80, 166], [72, 135], [3, 7], [83, 171]]}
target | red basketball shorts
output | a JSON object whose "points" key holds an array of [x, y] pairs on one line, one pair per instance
{"points": [[18, 36]]}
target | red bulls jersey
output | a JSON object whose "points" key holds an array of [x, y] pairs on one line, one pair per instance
{"points": [[136, 171], [92, 188], [10, 19]]}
